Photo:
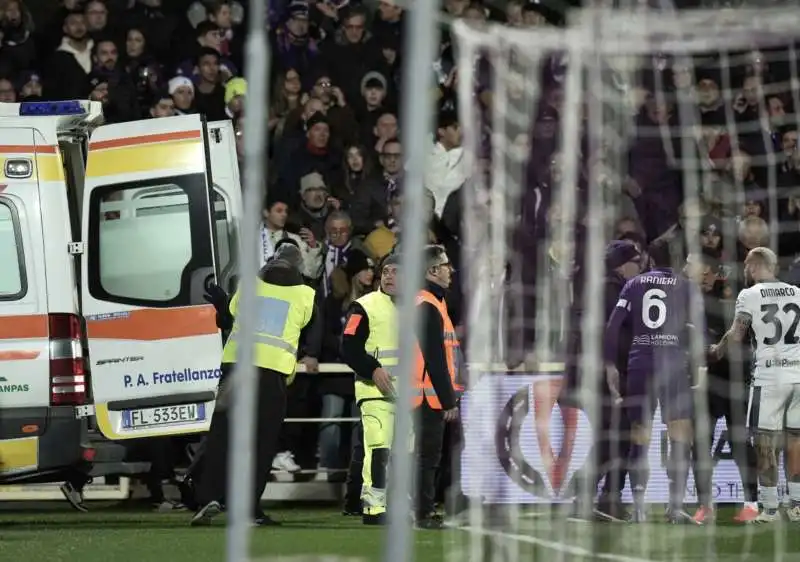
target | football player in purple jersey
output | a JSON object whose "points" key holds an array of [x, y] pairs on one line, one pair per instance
{"points": [[656, 306]]}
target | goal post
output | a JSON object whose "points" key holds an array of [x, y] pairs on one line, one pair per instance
{"points": [[678, 126]]}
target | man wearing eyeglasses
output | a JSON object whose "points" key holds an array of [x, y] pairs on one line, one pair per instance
{"points": [[438, 361]]}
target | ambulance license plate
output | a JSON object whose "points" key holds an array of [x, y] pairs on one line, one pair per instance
{"points": [[165, 415]]}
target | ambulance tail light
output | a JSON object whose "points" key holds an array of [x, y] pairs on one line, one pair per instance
{"points": [[68, 376]]}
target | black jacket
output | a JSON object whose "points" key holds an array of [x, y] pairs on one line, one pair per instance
{"points": [[728, 377]]}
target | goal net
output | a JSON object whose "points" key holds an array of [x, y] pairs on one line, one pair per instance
{"points": [[640, 125]]}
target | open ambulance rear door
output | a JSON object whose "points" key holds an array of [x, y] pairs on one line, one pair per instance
{"points": [[149, 235]]}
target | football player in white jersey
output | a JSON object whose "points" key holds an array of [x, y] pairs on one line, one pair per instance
{"points": [[771, 309]]}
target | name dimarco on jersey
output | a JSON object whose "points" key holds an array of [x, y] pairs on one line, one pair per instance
{"points": [[778, 292]]}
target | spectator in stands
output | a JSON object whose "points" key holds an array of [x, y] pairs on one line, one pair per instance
{"points": [[348, 283], [315, 156], [209, 91], [231, 45], [181, 89], [158, 24], [67, 74], [286, 97], [162, 106], [96, 18], [18, 51], [309, 217], [369, 206], [390, 20], [273, 229], [708, 94], [336, 107], [235, 93], [351, 52], [789, 204], [136, 55], [292, 46], [655, 185], [386, 236], [372, 103], [29, 85], [357, 174], [338, 244], [386, 129], [208, 36], [7, 92], [446, 168]]}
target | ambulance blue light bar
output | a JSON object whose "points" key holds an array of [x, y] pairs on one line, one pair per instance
{"points": [[50, 108]]}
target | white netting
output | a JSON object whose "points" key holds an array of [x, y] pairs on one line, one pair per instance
{"points": [[678, 126]]}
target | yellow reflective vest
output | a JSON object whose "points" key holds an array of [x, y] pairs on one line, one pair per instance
{"points": [[281, 314], [382, 342]]}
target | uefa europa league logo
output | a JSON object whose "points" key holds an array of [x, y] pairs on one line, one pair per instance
{"points": [[551, 473]]}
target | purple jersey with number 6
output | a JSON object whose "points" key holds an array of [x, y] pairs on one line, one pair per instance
{"points": [[657, 306]]}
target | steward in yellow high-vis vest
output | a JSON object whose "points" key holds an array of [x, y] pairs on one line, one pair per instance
{"points": [[285, 312], [370, 348]]}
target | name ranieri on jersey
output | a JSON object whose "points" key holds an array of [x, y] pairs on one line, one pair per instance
{"points": [[185, 376]]}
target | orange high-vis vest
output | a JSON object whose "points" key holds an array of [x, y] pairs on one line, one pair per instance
{"points": [[422, 382]]}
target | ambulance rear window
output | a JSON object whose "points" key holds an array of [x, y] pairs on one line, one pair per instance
{"points": [[150, 242], [13, 282]]}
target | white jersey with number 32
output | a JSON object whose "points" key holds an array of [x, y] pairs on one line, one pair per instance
{"points": [[774, 311]]}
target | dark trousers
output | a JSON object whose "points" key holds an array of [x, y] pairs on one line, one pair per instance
{"points": [[734, 410], [611, 450], [212, 478], [300, 438], [609, 455], [428, 443], [352, 495]]}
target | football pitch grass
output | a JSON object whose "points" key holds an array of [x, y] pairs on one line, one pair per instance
{"points": [[53, 533]]}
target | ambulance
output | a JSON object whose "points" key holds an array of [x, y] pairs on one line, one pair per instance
{"points": [[109, 237]]}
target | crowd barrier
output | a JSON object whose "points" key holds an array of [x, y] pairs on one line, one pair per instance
{"points": [[506, 417], [511, 420]]}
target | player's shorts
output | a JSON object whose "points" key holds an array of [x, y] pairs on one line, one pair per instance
{"points": [[774, 407], [673, 394]]}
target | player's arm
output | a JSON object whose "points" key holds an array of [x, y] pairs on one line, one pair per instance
{"points": [[611, 339], [739, 327], [354, 337]]}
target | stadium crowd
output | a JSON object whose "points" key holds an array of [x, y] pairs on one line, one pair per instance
{"points": [[335, 163]]}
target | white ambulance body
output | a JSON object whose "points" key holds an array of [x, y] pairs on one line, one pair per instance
{"points": [[109, 236]]}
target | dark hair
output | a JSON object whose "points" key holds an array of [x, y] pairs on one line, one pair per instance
{"points": [[286, 241], [206, 52], [272, 200], [214, 6], [660, 253], [205, 27], [354, 11], [787, 128], [103, 39], [711, 258]]}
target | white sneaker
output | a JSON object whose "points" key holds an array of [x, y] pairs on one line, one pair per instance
{"points": [[793, 514], [771, 516], [284, 462]]}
